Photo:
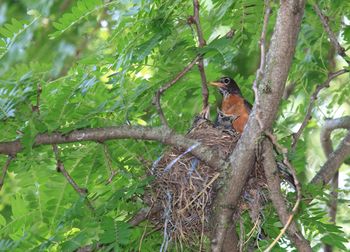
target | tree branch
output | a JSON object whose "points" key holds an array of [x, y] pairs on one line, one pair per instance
{"points": [[36, 108], [60, 168], [336, 158], [4, 170], [279, 203], [271, 88], [332, 37], [202, 43], [313, 98], [325, 137], [328, 128], [160, 134], [260, 71], [156, 98]]}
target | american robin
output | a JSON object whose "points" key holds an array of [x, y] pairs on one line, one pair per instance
{"points": [[233, 103], [235, 110]]}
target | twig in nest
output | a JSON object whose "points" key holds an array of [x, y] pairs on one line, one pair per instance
{"points": [[284, 152], [167, 217], [332, 37], [313, 98], [204, 200], [251, 232], [156, 98], [60, 168], [171, 164], [260, 71], [4, 170], [200, 193]]}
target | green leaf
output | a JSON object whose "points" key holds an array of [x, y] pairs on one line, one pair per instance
{"points": [[81, 10], [2, 220]]}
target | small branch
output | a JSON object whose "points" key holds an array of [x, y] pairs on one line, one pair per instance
{"points": [[156, 98], [196, 21], [313, 98], [332, 37], [109, 164], [156, 102], [36, 108], [4, 170], [260, 71], [60, 168], [278, 201], [205, 91], [201, 41]]}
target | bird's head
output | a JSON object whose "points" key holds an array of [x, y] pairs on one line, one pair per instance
{"points": [[227, 86]]}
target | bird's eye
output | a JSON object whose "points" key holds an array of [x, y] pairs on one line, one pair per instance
{"points": [[226, 80]]}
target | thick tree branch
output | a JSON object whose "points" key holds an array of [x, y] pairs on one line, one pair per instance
{"points": [[156, 98], [202, 43], [327, 129], [260, 71], [332, 37], [271, 88], [313, 98], [160, 134], [336, 158], [278, 201]]}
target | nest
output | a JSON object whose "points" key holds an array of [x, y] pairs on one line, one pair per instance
{"points": [[185, 187]]}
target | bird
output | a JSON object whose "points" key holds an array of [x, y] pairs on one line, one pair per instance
{"points": [[233, 102], [235, 110], [224, 122]]}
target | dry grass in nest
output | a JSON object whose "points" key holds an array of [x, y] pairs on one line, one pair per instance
{"points": [[185, 186]]}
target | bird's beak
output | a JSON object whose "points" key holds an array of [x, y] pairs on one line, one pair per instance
{"points": [[217, 84]]}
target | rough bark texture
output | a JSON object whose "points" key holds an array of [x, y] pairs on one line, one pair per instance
{"points": [[271, 88]]}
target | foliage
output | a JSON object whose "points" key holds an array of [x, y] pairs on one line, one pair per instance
{"points": [[99, 63]]}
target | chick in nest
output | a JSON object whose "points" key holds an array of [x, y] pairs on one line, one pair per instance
{"points": [[224, 122]]}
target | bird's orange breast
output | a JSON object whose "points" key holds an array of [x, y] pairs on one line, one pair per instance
{"points": [[235, 105]]}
